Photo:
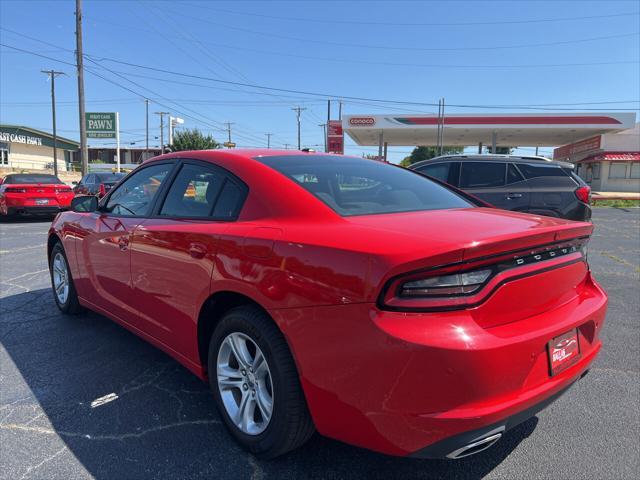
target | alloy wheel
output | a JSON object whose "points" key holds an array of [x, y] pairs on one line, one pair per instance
{"points": [[60, 278], [244, 382]]}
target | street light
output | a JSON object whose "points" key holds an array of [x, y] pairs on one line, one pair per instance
{"points": [[173, 122]]}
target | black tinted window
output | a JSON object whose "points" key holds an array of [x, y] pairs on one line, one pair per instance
{"points": [[355, 186], [230, 201], [513, 175], [542, 170], [439, 171], [193, 192], [31, 178], [135, 196], [482, 174]]}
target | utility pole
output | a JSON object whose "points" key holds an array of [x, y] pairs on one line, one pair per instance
{"points": [[146, 150], [340, 110], [324, 135], [162, 114], [286, 146], [268, 139], [228, 124], [52, 75], [298, 110], [84, 150]]}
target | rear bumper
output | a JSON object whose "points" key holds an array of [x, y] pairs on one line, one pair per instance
{"points": [[32, 210], [419, 383]]}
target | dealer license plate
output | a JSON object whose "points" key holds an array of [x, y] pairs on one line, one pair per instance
{"points": [[42, 201], [564, 351]]}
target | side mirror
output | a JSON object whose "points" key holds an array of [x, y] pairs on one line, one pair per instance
{"points": [[84, 203]]}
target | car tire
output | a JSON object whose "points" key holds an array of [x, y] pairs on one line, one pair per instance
{"points": [[67, 299], [253, 332]]}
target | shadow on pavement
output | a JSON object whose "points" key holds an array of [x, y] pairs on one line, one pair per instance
{"points": [[126, 410]]}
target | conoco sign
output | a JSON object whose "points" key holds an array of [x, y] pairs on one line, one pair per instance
{"points": [[362, 121]]}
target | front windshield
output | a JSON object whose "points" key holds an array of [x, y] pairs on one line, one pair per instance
{"points": [[357, 186]]}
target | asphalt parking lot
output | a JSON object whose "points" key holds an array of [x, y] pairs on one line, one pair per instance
{"points": [[56, 373]]}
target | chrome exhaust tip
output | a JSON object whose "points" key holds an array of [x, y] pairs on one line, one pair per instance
{"points": [[477, 445]]}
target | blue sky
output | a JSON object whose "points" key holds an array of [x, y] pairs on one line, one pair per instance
{"points": [[471, 53]]}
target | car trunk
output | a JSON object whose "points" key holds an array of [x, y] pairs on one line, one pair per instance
{"points": [[470, 236]]}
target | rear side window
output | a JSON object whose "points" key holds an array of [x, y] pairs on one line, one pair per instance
{"points": [[541, 170], [439, 171], [482, 174], [193, 192], [31, 178], [356, 186], [230, 201]]}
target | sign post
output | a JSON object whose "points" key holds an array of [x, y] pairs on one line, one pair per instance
{"points": [[118, 142], [335, 137]]}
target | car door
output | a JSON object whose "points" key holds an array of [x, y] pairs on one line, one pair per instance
{"points": [[485, 180], [173, 253], [103, 252], [552, 189]]}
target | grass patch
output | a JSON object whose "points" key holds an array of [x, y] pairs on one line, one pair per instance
{"points": [[617, 203]]}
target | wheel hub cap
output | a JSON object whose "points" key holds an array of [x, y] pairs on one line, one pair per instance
{"points": [[244, 382]]}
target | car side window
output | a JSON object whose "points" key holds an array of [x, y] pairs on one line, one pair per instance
{"points": [[193, 193], [542, 170], [135, 196], [482, 174], [439, 171], [229, 203], [513, 175]]}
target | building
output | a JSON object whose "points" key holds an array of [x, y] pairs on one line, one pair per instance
{"points": [[133, 155], [609, 162], [31, 149]]}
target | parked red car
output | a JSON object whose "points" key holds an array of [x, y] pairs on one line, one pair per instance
{"points": [[339, 294], [33, 194]]}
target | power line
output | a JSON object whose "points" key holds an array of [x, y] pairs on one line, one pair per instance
{"points": [[334, 21], [396, 48], [262, 87]]}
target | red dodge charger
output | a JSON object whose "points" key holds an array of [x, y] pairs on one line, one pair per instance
{"points": [[337, 294], [34, 194]]}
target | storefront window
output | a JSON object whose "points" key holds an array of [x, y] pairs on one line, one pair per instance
{"points": [[618, 170], [635, 170], [4, 154]]}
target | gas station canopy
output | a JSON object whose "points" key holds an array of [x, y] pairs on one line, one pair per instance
{"points": [[507, 129]]}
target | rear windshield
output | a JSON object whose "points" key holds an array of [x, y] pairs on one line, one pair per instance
{"points": [[109, 177], [31, 178], [356, 186]]}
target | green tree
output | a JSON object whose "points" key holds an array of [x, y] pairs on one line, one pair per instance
{"points": [[193, 140], [425, 153]]}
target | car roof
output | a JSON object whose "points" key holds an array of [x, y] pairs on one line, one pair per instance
{"points": [[495, 158]]}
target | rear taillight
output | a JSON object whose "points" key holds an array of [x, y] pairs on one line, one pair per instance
{"points": [[15, 190], [462, 285], [584, 194], [63, 189], [103, 190], [446, 285]]}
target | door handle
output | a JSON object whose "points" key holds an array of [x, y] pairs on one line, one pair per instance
{"points": [[197, 250], [123, 243], [511, 196]]}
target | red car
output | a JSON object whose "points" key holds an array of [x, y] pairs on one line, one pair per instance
{"points": [[337, 294], [34, 194]]}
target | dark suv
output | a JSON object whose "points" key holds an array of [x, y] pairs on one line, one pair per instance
{"points": [[525, 184]]}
